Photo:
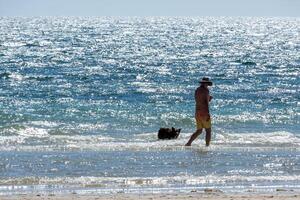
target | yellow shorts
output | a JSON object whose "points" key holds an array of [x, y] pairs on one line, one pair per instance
{"points": [[202, 121]]}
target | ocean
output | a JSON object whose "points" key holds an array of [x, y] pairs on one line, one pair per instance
{"points": [[82, 100]]}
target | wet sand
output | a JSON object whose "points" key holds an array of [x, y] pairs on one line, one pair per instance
{"points": [[175, 196]]}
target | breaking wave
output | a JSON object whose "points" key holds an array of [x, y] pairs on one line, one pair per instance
{"points": [[40, 139]]}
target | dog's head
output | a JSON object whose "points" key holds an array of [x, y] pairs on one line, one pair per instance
{"points": [[176, 132]]}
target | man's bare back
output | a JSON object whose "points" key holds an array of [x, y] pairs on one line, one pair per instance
{"points": [[202, 99]]}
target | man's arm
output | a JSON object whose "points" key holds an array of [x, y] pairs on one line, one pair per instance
{"points": [[208, 99]]}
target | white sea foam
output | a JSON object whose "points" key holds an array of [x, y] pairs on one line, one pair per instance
{"points": [[123, 182], [17, 77], [14, 44], [32, 132], [262, 139], [32, 139]]}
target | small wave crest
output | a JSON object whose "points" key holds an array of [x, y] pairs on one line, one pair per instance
{"points": [[33, 138], [20, 77], [115, 184], [279, 139]]}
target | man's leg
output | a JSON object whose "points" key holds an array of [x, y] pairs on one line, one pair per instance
{"points": [[193, 137], [207, 136]]}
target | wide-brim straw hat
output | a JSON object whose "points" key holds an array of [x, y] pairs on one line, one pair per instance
{"points": [[206, 81]]}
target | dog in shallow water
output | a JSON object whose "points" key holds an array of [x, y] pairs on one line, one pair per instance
{"points": [[168, 133]]}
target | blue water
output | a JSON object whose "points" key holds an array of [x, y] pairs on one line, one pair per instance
{"points": [[82, 99]]}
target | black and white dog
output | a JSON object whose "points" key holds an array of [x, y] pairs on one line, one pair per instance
{"points": [[168, 133]]}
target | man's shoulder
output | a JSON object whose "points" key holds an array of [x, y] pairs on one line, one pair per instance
{"points": [[202, 89]]}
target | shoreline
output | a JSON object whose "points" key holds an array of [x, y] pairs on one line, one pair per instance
{"points": [[208, 195]]}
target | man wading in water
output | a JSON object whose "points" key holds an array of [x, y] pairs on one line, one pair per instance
{"points": [[202, 115]]}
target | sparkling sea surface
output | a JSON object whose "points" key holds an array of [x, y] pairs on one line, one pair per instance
{"points": [[82, 99]]}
